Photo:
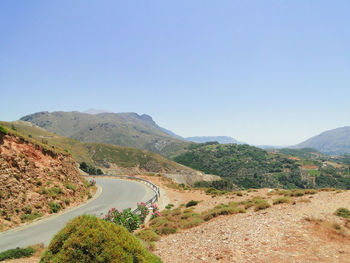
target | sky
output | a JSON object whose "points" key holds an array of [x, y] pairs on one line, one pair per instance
{"points": [[264, 72]]}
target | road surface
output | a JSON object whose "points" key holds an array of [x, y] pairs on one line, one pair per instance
{"points": [[115, 193]]}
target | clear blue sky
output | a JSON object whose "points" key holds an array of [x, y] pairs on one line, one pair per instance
{"points": [[263, 72]]}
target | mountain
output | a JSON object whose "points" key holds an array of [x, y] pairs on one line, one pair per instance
{"points": [[335, 141], [123, 129], [250, 167], [35, 179], [111, 159], [219, 139]]}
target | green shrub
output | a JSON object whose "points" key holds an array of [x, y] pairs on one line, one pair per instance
{"points": [[169, 206], [194, 221], [261, 204], [54, 207], [144, 211], [30, 217], [89, 239], [297, 193], [17, 253], [281, 200], [27, 210], [222, 209], [3, 130], [192, 203], [53, 192], [148, 235], [343, 212], [166, 230], [71, 186]]}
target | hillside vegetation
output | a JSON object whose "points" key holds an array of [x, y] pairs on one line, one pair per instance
{"points": [[109, 157], [35, 180], [251, 167], [123, 129]]}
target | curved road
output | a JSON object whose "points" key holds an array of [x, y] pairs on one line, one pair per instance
{"points": [[115, 193]]}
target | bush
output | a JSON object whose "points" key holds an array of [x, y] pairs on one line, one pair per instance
{"points": [[281, 200], [343, 212], [222, 209], [71, 187], [261, 204], [125, 218], [90, 169], [297, 193], [169, 206], [89, 239], [148, 235], [192, 203], [54, 207], [17, 253], [155, 211], [3, 130], [195, 221], [30, 217], [144, 211], [166, 230]]}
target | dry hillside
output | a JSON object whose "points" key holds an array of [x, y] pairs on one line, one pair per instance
{"points": [[298, 228], [35, 181]]}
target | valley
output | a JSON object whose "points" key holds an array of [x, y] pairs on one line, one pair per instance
{"points": [[247, 203]]}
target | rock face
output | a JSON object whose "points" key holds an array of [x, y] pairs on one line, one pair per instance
{"points": [[35, 181]]}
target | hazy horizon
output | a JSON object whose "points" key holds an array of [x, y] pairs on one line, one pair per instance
{"points": [[262, 72]]}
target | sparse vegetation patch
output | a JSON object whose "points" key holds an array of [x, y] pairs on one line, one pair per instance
{"points": [[343, 212], [17, 253]]}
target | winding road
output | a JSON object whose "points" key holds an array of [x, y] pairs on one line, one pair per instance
{"points": [[112, 193]]}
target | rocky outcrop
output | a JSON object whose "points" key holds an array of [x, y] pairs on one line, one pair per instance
{"points": [[35, 181], [190, 179]]}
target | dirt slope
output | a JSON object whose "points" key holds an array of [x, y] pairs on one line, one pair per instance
{"points": [[301, 232], [35, 181]]}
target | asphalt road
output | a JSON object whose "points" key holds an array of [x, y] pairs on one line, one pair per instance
{"points": [[115, 193]]}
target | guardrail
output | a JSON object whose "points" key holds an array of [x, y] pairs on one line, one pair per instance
{"points": [[154, 187]]}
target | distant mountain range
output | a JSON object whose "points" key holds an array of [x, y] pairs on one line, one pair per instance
{"points": [[219, 139], [140, 131], [335, 141], [123, 129]]}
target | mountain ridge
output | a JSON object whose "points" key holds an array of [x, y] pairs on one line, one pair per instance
{"points": [[334, 141], [125, 129]]}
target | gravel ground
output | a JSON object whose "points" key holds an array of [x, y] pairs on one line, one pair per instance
{"points": [[277, 234]]}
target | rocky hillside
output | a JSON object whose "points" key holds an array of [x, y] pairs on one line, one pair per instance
{"points": [[35, 180], [110, 158], [335, 141], [123, 129]]}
